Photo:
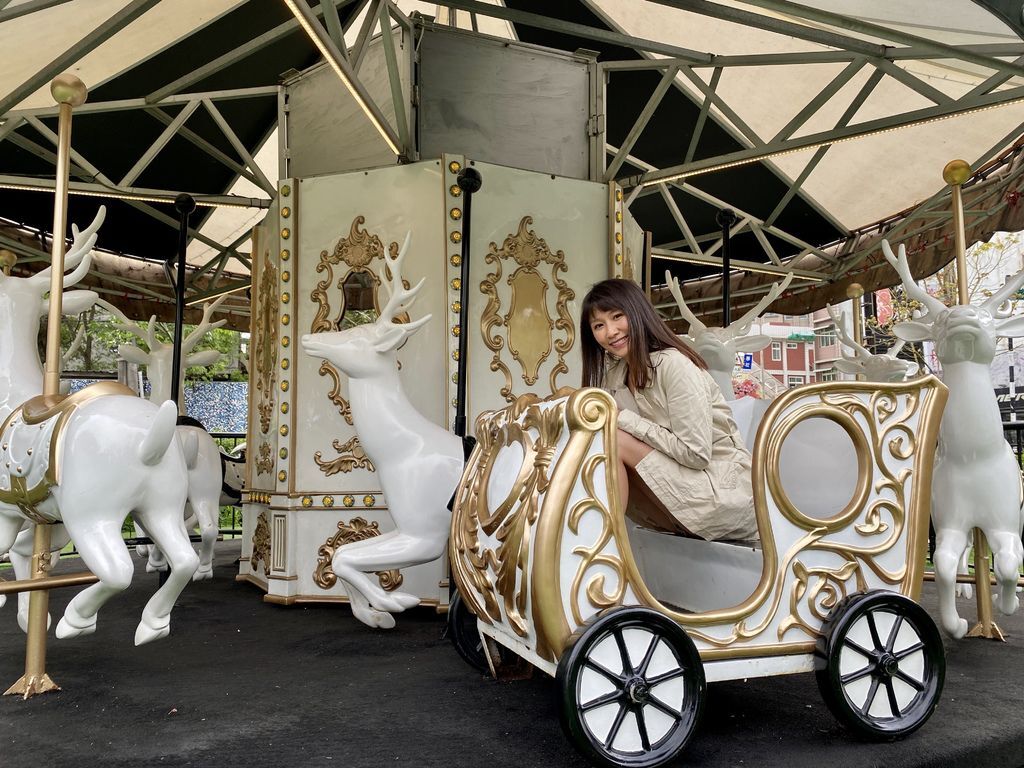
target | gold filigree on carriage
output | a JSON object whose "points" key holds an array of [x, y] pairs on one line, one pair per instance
{"points": [[556, 573]]}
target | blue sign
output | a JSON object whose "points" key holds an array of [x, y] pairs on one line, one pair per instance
{"points": [[748, 361]]}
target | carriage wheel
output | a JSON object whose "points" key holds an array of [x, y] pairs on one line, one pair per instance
{"points": [[465, 636], [632, 688], [880, 664]]}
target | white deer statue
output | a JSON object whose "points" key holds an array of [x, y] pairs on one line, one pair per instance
{"points": [[719, 346], [419, 463], [976, 481], [205, 476], [885, 367], [114, 455]]}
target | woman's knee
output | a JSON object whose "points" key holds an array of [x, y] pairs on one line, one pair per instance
{"points": [[631, 450]]}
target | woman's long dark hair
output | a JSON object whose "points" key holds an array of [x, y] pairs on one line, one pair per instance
{"points": [[647, 333]]}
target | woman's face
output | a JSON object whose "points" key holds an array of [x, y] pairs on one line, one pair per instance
{"points": [[611, 331]]}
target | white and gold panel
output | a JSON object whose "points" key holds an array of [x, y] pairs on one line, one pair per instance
{"points": [[538, 244]]}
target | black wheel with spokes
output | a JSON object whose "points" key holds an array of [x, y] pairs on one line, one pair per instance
{"points": [[464, 635], [632, 688], [880, 664]]}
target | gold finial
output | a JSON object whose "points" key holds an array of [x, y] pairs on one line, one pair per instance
{"points": [[854, 291], [7, 260], [68, 89], [956, 172]]}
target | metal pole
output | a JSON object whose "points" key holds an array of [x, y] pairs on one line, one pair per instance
{"points": [[469, 181], [184, 204], [69, 92], [955, 174], [725, 218]]}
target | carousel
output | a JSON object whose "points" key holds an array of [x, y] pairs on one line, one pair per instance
{"points": [[447, 188]]}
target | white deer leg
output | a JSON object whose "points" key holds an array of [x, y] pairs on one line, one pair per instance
{"points": [[1007, 556], [950, 544], [167, 531], [207, 514], [142, 550], [21, 559], [105, 554], [10, 526], [964, 590]]}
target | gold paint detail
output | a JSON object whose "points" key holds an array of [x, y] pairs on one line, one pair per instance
{"points": [[456, 284], [455, 166], [455, 355], [286, 190], [286, 233], [357, 529], [455, 214], [286, 276], [618, 237], [307, 501], [456, 331], [285, 254], [456, 259], [284, 407], [618, 257], [328, 501], [349, 501], [456, 307], [353, 457], [369, 500], [264, 460], [618, 217], [285, 341], [285, 363], [529, 325], [261, 544], [286, 319], [283, 453], [455, 190], [282, 476], [286, 212], [344, 408], [266, 343], [618, 195], [455, 237], [286, 297], [284, 385], [283, 430]]}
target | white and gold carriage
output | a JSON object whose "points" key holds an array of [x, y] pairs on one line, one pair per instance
{"points": [[634, 622]]}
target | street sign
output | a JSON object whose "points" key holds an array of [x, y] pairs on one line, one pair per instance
{"points": [[748, 361]]}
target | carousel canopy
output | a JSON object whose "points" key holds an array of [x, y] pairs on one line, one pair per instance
{"points": [[822, 125]]}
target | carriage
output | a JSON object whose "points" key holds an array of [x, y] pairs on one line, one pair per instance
{"points": [[633, 623]]}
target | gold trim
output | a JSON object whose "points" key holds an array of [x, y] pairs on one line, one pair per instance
{"points": [[266, 344], [353, 457], [264, 461], [343, 406], [357, 529], [261, 544], [529, 334]]}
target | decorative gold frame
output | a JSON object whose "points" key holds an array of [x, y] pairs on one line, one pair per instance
{"points": [[357, 529], [261, 544], [529, 336], [353, 457], [793, 595], [266, 344]]}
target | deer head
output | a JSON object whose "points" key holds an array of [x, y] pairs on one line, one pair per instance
{"points": [[24, 300], [159, 358], [367, 351], [963, 333], [718, 346], [882, 367]]}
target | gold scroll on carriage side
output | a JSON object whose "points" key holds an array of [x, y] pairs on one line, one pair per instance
{"points": [[796, 596]]}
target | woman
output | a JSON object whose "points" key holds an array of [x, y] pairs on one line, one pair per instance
{"points": [[677, 439]]}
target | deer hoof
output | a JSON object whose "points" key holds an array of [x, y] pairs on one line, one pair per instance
{"points": [[73, 625], [202, 573], [372, 617], [144, 633], [957, 629], [397, 601], [142, 550], [1009, 605], [3, 600], [23, 621]]}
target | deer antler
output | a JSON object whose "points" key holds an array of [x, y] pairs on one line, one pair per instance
{"points": [[742, 326], [78, 256], [996, 300], [76, 344], [148, 334], [914, 291], [696, 326], [859, 352], [204, 326], [400, 298]]}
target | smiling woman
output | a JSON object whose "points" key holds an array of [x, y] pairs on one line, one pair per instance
{"points": [[677, 441]]}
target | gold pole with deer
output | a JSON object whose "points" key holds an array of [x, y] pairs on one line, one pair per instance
{"points": [[955, 174], [69, 92]]}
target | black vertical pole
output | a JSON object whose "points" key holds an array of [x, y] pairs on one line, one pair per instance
{"points": [[184, 204], [726, 218], [469, 181]]}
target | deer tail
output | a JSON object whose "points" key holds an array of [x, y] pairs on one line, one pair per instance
{"points": [[158, 439]]}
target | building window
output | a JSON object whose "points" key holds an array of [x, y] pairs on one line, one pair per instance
{"points": [[776, 350], [827, 337], [794, 381], [828, 375], [792, 345]]}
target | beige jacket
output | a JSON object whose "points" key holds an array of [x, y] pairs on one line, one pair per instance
{"points": [[699, 468]]}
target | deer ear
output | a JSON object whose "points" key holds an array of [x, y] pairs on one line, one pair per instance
{"points": [[390, 338], [131, 354], [910, 330], [1012, 327], [847, 366], [753, 343]]}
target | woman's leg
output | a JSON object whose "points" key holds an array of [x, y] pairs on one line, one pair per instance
{"points": [[651, 510]]}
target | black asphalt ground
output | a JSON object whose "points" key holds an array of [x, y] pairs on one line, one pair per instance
{"points": [[243, 683]]}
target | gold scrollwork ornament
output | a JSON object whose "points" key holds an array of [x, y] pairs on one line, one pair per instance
{"points": [[353, 457], [357, 529], [261, 544]]}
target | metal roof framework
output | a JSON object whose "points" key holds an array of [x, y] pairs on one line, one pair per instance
{"points": [[674, 185]]}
